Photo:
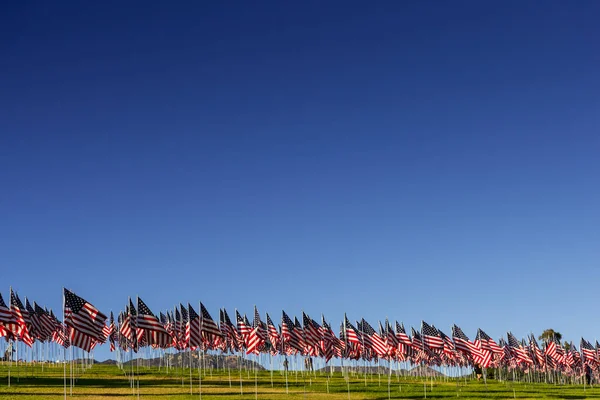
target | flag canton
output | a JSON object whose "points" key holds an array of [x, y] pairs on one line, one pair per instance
{"points": [[205, 315], [28, 307], [74, 302], [481, 335], [306, 321], [238, 317], [2, 303], [285, 320], [415, 334], [257, 322], [428, 330], [143, 308], [458, 333], [132, 310], [184, 314], [400, 328], [192, 313], [348, 325], [39, 310], [366, 328], [586, 345], [227, 319], [512, 341]]}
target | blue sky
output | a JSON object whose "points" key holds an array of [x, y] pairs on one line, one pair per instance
{"points": [[415, 160]]}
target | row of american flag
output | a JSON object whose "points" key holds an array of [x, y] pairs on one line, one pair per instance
{"points": [[84, 326]]}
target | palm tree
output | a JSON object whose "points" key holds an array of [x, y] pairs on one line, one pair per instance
{"points": [[550, 334]]}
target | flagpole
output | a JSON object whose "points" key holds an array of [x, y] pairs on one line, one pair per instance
{"points": [[200, 335], [347, 376], [64, 348], [190, 354], [137, 313], [286, 366]]}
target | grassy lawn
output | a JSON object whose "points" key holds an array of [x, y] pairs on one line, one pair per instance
{"points": [[109, 382]]}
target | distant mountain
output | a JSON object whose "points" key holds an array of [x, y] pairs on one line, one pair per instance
{"points": [[106, 362], [361, 369], [424, 371], [209, 360]]}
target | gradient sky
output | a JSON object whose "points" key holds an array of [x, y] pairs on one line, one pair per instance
{"points": [[415, 160]]}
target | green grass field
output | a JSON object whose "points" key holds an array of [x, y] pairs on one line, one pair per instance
{"points": [[109, 382]]}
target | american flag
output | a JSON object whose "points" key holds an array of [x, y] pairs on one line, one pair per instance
{"points": [[257, 336], [126, 328], [35, 327], [311, 332], [7, 323], [273, 334], [131, 319], [404, 342], [487, 342], [484, 356], [420, 353], [350, 331], [243, 326], [371, 339], [81, 340], [589, 353], [449, 348], [61, 336], [290, 339], [329, 340], [417, 342], [193, 328], [570, 358], [112, 336], [133, 313], [5, 314], [45, 321], [150, 326], [462, 342], [550, 350], [84, 320], [313, 336], [299, 332], [518, 350], [231, 332], [178, 329], [184, 327], [21, 317], [390, 336], [431, 337], [209, 327], [536, 352]]}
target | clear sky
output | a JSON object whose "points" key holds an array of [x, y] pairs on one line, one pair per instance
{"points": [[415, 160]]}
